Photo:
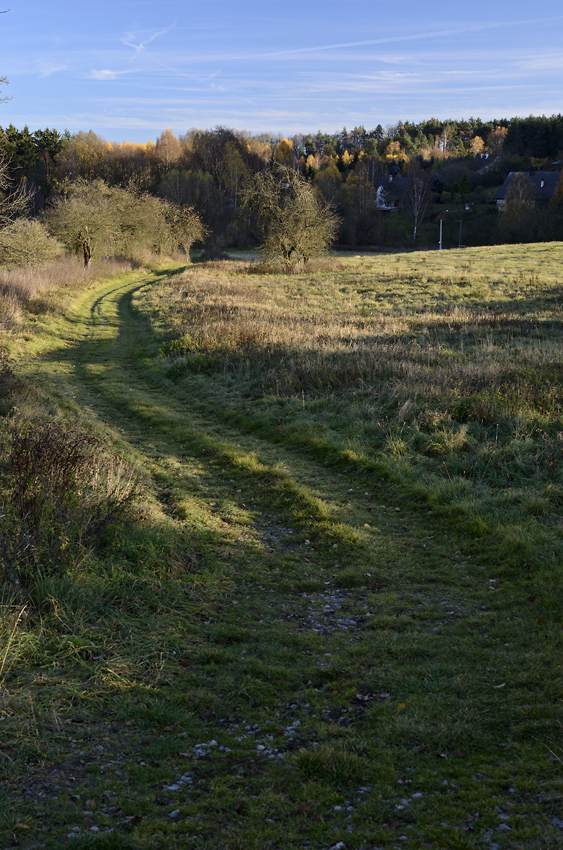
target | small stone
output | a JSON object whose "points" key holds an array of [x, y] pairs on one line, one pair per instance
{"points": [[174, 814]]}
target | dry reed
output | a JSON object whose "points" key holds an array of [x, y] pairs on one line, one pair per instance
{"points": [[19, 286]]}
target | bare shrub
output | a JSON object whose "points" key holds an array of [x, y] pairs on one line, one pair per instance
{"points": [[62, 490], [10, 385]]}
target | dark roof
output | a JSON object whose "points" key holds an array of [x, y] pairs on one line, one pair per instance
{"points": [[393, 185], [544, 183]]}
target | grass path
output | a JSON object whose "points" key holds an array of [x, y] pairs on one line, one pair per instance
{"points": [[284, 654]]}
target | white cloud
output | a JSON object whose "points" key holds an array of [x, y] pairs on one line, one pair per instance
{"points": [[105, 74]]}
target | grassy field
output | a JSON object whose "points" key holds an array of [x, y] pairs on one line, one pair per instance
{"points": [[281, 556]]}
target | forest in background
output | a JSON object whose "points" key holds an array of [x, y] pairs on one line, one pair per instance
{"points": [[460, 163]]}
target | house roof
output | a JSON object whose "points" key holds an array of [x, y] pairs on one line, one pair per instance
{"points": [[544, 183], [393, 185]]}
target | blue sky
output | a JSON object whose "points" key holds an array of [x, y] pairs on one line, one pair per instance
{"points": [[129, 70]]}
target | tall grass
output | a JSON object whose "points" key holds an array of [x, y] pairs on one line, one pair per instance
{"points": [[20, 288]]}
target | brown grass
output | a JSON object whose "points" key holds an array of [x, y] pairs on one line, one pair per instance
{"points": [[324, 333], [20, 286]]}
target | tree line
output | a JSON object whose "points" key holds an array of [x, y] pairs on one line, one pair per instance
{"points": [[181, 189]]}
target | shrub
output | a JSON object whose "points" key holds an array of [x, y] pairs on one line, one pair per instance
{"points": [[27, 243], [62, 490]]}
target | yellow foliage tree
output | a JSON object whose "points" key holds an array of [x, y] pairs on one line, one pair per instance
{"points": [[284, 153], [168, 149], [476, 146], [395, 153]]}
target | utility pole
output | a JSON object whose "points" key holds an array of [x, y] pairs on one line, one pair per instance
{"points": [[460, 220], [441, 221]]}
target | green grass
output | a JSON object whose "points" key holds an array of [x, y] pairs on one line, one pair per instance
{"points": [[332, 613]]}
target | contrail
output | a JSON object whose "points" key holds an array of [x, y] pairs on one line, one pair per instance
{"points": [[400, 38], [127, 39]]}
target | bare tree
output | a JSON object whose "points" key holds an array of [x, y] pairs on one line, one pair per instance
{"points": [[13, 202], [293, 223], [518, 221], [3, 82], [417, 197]]}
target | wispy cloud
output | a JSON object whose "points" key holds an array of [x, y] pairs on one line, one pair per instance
{"points": [[46, 69], [106, 74], [130, 38]]}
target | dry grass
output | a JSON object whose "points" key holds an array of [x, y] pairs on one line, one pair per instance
{"points": [[21, 287], [366, 329]]}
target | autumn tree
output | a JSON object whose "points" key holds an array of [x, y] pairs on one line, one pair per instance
{"points": [[476, 146], [394, 154], [82, 156], [293, 224], [168, 150], [284, 154]]}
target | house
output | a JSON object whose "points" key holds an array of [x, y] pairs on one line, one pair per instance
{"points": [[544, 182], [389, 192]]}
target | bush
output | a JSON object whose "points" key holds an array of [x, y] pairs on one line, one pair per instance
{"points": [[26, 243], [62, 490]]}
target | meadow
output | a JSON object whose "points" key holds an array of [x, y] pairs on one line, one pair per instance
{"points": [[281, 555]]}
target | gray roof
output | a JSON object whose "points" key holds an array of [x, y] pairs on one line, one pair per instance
{"points": [[544, 183], [393, 185]]}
